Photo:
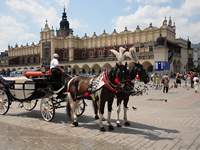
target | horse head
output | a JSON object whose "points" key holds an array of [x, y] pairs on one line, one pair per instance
{"points": [[117, 77]]}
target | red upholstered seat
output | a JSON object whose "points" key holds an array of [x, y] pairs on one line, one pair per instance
{"points": [[33, 74]]}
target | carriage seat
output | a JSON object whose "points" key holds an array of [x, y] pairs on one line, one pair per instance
{"points": [[21, 79], [34, 74]]}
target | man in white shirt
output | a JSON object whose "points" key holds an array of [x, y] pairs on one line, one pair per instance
{"points": [[196, 83], [57, 78], [54, 62]]}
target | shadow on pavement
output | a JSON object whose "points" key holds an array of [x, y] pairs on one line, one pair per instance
{"points": [[148, 131], [58, 118]]}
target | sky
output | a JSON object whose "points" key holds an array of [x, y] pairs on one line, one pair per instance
{"points": [[21, 20]]}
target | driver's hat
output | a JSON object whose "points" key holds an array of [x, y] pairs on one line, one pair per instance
{"points": [[55, 55]]}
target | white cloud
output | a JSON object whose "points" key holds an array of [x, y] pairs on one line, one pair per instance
{"points": [[153, 2], [129, 1], [34, 10], [155, 13], [12, 32], [63, 3], [191, 7]]}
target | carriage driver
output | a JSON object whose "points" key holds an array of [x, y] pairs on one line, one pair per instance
{"points": [[56, 73]]}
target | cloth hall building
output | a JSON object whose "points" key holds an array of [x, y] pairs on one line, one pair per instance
{"points": [[154, 46]]}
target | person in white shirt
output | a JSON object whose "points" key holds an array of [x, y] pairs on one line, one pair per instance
{"points": [[196, 83], [54, 62], [57, 78]]}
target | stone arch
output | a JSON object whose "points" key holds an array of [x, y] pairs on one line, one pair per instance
{"points": [[96, 69], [147, 66], [107, 66], [85, 68], [75, 70], [13, 69]]}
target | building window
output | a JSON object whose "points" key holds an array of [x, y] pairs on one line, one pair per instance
{"points": [[150, 48], [83, 54], [91, 54], [100, 53], [137, 49]]}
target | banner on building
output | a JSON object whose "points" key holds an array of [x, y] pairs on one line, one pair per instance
{"points": [[162, 65]]}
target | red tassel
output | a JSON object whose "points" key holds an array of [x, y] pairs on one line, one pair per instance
{"points": [[86, 94], [117, 81], [137, 77]]}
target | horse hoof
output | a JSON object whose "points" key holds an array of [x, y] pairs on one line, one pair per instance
{"points": [[75, 124], [96, 117], [103, 119], [110, 128], [119, 125], [102, 129], [127, 123]]}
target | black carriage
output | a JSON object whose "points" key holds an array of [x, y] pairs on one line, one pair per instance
{"points": [[28, 91]]}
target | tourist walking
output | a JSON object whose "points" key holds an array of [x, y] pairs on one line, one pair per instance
{"points": [[178, 79], [196, 83], [165, 82]]}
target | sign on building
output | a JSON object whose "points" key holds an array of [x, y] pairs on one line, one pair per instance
{"points": [[162, 65]]}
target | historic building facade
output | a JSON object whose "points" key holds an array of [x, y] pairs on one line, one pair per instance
{"points": [[153, 45]]}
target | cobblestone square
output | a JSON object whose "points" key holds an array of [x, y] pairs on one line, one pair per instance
{"points": [[156, 124]]}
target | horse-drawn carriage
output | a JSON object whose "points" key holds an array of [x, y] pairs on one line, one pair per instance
{"points": [[117, 82], [28, 91]]}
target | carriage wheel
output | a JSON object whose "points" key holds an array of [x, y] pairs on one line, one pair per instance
{"points": [[47, 109], [4, 102], [81, 107], [30, 105]]}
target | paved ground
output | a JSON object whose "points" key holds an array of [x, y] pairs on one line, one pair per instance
{"points": [[155, 125]]}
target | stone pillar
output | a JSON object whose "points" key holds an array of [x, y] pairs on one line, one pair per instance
{"points": [[71, 54]]}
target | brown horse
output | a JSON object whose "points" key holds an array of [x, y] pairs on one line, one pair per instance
{"points": [[83, 87]]}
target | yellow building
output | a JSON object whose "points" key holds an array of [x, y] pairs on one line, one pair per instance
{"points": [[153, 45]]}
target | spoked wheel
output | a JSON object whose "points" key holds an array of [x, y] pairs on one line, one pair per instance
{"points": [[4, 102], [81, 107], [47, 109], [30, 105]]}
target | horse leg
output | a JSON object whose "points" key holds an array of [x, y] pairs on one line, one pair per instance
{"points": [[126, 122], [119, 100], [110, 102], [118, 112], [101, 112], [95, 105], [73, 113]]}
